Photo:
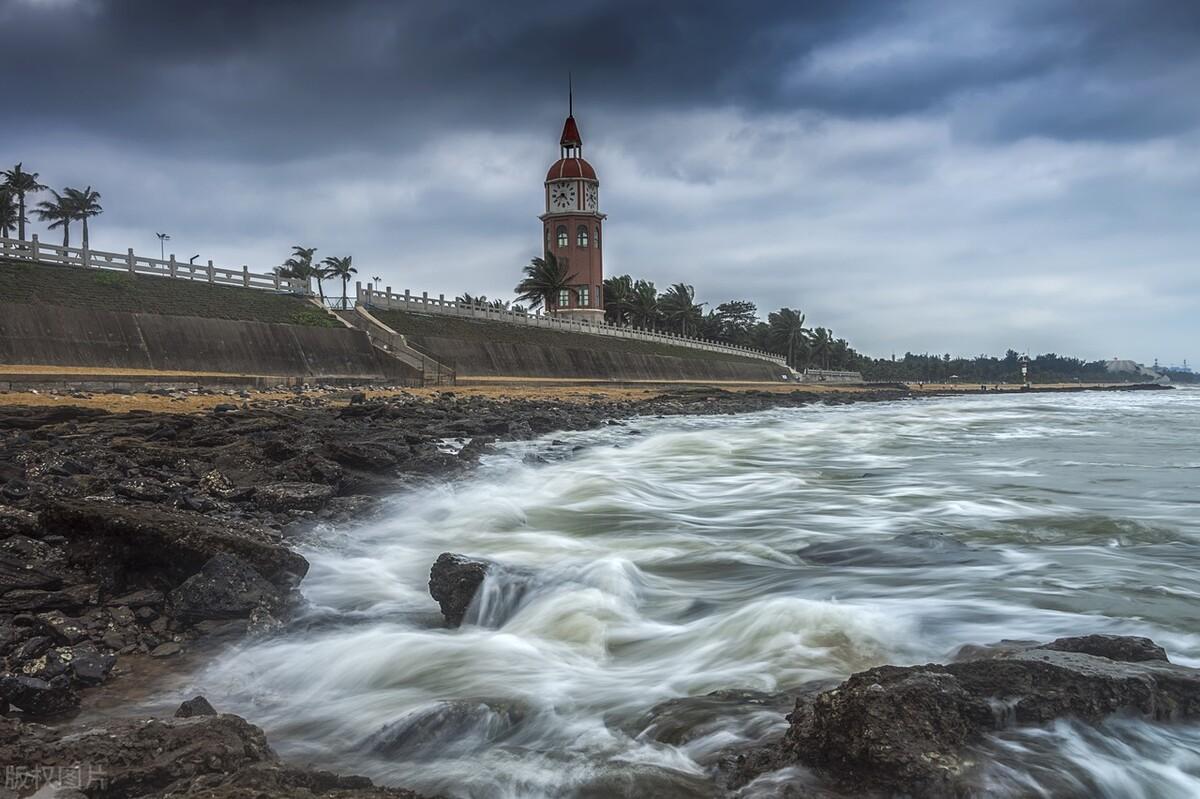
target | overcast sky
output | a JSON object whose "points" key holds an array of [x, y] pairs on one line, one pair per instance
{"points": [[947, 176]]}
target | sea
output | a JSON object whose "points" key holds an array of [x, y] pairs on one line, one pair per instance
{"points": [[647, 564]]}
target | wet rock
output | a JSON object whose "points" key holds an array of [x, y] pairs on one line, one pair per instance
{"points": [[679, 721], [34, 601], [17, 572], [166, 650], [293, 496], [449, 727], [38, 697], [141, 490], [1129, 649], [15, 521], [63, 628], [453, 581], [213, 756], [226, 588], [361, 455], [910, 729], [172, 543], [89, 666], [196, 706]]}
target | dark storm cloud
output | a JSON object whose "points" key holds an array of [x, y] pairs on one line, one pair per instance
{"points": [[276, 79]]}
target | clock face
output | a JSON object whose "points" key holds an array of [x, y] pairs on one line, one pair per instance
{"points": [[562, 195], [591, 197]]}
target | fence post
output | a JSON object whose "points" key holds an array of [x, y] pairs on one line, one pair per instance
{"points": [[173, 266], [131, 260], [210, 270], [34, 251], [245, 274], [276, 274]]}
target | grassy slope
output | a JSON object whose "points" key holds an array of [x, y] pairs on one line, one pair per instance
{"points": [[435, 326], [116, 291]]}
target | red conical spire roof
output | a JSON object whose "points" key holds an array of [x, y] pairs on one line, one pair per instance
{"points": [[570, 134]]}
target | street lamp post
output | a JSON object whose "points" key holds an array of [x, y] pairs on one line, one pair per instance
{"points": [[163, 238]]}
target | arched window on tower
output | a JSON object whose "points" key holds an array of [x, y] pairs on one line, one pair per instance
{"points": [[597, 237], [562, 236], [581, 236]]}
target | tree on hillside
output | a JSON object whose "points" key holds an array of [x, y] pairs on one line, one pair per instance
{"points": [[643, 308], [788, 332], [618, 299], [21, 183], [544, 278], [8, 212], [301, 267], [84, 204], [340, 269], [59, 212], [735, 320], [678, 306]]}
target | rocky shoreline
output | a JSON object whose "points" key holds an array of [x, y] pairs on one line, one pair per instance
{"points": [[147, 534]]}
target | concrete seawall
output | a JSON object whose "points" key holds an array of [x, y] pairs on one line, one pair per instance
{"points": [[49, 335], [484, 358]]}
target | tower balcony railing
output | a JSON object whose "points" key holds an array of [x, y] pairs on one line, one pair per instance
{"points": [[387, 299]]}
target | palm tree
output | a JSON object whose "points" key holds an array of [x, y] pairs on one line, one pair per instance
{"points": [[58, 212], [301, 267], [678, 304], [468, 299], [822, 346], [618, 298], [20, 183], [340, 269], [643, 308], [787, 330], [544, 278], [8, 212], [85, 205]]}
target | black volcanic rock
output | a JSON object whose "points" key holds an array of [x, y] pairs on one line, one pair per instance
{"points": [[911, 730], [226, 588], [453, 581]]}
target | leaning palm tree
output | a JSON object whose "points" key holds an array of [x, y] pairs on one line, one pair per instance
{"points": [[20, 183], [822, 346], [301, 267], [643, 305], [678, 305], [340, 269], [544, 278], [86, 204], [618, 298], [8, 212], [787, 330], [59, 212]]}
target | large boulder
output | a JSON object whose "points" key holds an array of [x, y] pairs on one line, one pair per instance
{"points": [[910, 729], [453, 582], [168, 546], [225, 588], [204, 755]]}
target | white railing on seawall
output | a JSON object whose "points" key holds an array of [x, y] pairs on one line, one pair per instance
{"points": [[388, 300], [53, 254], [831, 376]]}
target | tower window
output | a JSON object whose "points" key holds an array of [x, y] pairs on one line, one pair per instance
{"points": [[597, 237], [564, 298], [583, 297], [562, 236], [581, 236]]}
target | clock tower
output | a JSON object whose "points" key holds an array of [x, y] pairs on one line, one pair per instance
{"points": [[571, 227]]}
